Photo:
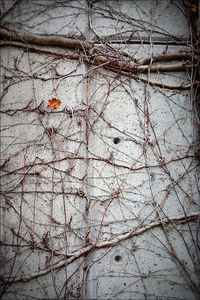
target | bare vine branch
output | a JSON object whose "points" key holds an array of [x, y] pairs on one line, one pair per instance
{"points": [[90, 248]]}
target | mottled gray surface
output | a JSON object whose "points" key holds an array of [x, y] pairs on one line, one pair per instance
{"points": [[115, 156]]}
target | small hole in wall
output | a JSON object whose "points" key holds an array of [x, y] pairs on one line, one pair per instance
{"points": [[118, 258], [116, 140]]}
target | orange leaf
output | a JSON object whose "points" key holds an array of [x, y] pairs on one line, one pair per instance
{"points": [[194, 7], [53, 103]]}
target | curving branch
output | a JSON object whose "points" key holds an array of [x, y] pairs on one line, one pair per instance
{"points": [[168, 57], [105, 244], [44, 40], [95, 55]]}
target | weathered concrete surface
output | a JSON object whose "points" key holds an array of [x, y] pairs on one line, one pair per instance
{"points": [[115, 156]]}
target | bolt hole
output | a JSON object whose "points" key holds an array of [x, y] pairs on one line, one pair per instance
{"points": [[116, 140], [118, 258]]}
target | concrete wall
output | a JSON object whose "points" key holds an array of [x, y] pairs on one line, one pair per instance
{"points": [[100, 196]]}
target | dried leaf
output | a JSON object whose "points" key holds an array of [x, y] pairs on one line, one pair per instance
{"points": [[54, 103], [193, 7]]}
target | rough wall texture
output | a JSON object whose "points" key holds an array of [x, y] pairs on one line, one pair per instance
{"points": [[99, 193]]}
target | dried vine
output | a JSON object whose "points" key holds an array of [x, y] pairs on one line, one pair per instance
{"points": [[99, 152], [115, 61]]}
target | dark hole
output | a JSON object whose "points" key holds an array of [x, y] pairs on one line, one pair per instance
{"points": [[118, 258], [116, 140]]}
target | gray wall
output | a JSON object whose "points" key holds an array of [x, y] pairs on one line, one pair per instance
{"points": [[100, 196]]}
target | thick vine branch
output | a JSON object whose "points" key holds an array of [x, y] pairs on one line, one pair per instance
{"points": [[95, 55], [44, 40], [99, 245]]}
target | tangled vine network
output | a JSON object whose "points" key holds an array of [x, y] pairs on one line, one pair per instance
{"points": [[99, 149]]}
